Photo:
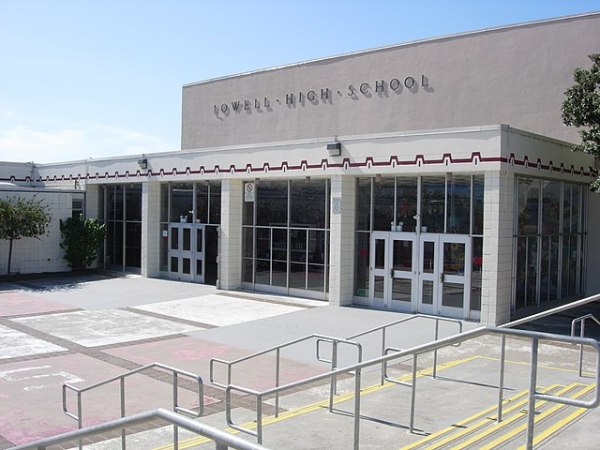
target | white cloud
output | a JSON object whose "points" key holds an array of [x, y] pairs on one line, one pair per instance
{"points": [[22, 143], [7, 114]]}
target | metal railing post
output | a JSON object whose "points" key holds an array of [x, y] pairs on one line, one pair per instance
{"points": [[277, 355], [383, 364], [79, 418], [435, 338], [413, 396], [122, 389], [259, 424], [357, 383], [581, 334], [532, 392], [501, 381], [175, 405], [333, 381]]}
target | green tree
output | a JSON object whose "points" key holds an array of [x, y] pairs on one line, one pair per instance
{"points": [[21, 218], [81, 240], [581, 109]]}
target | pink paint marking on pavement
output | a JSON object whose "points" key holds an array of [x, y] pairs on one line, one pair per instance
{"points": [[17, 303], [31, 406], [193, 354]]}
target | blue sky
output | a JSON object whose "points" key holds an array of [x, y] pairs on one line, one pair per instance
{"points": [[97, 78]]}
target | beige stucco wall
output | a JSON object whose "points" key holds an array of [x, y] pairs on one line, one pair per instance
{"points": [[514, 75]]}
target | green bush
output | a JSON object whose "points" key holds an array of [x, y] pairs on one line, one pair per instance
{"points": [[81, 240]]}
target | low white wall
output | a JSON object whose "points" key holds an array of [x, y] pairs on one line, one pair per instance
{"points": [[31, 255]]}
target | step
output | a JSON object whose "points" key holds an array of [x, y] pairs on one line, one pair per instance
{"points": [[481, 431]]}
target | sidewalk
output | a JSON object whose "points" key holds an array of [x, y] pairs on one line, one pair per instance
{"points": [[82, 331]]}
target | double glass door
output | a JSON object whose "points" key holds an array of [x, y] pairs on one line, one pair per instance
{"points": [[393, 270], [427, 273], [186, 252]]}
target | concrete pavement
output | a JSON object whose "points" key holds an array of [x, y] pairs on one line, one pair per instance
{"points": [[85, 330]]}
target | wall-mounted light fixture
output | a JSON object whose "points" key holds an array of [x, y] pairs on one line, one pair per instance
{"points": [[334, 149], [143, 163]]}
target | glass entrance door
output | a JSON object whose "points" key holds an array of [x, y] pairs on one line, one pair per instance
{"points": [[444, 274], [393, 271], [186, 252]]}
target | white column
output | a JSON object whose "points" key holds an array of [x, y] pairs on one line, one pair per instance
{"points": [[151, 236], [341, 242], [230, 252], [497, 248]]}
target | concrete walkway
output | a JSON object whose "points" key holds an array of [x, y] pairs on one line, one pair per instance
{"points": [[85, 330]]}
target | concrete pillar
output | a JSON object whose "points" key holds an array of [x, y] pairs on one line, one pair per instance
{"points": [[497, 248], [230, 252], [151, 237], [342, 237]]}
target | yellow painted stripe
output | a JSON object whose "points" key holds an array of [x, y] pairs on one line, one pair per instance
{"points": [[512, 401], [506, 422], [192, 442], [555, 428], [541, 366], [537, 419], [462, 423]]}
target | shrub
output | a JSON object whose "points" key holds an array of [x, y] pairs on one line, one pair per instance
{"points": [[81, 240]]}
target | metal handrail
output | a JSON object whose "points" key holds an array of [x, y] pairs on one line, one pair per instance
{"points": [[385, 327], [549, 312], [335, 342], [415, 352], [222, 439], [121, 378], [574, 323]]}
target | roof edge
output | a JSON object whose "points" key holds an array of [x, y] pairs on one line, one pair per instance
{"points": [[393, 46]]}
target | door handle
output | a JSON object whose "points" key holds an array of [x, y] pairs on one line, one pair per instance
{"points": [[392, 273], [442, 277]]}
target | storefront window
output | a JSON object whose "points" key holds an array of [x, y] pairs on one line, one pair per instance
{"points": [[271, 203], [191, 203], [164, 203], [289, 251], [433, 192], [476, 272], [182, 202], [458, 200], [548, 245], [527, 206], [133, 203], [307, 203], [406, 203], [550, 207], [478, 184], [202, 202], [452, 203], [384, 194], [215, 202], [123, 204], [363, 204]]}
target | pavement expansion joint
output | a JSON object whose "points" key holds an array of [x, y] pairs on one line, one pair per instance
{"points": [[43, 313], [171, 318]]}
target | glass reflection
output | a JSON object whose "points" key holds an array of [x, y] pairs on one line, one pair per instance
{"points": [[402, 255], [401, 290]]}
